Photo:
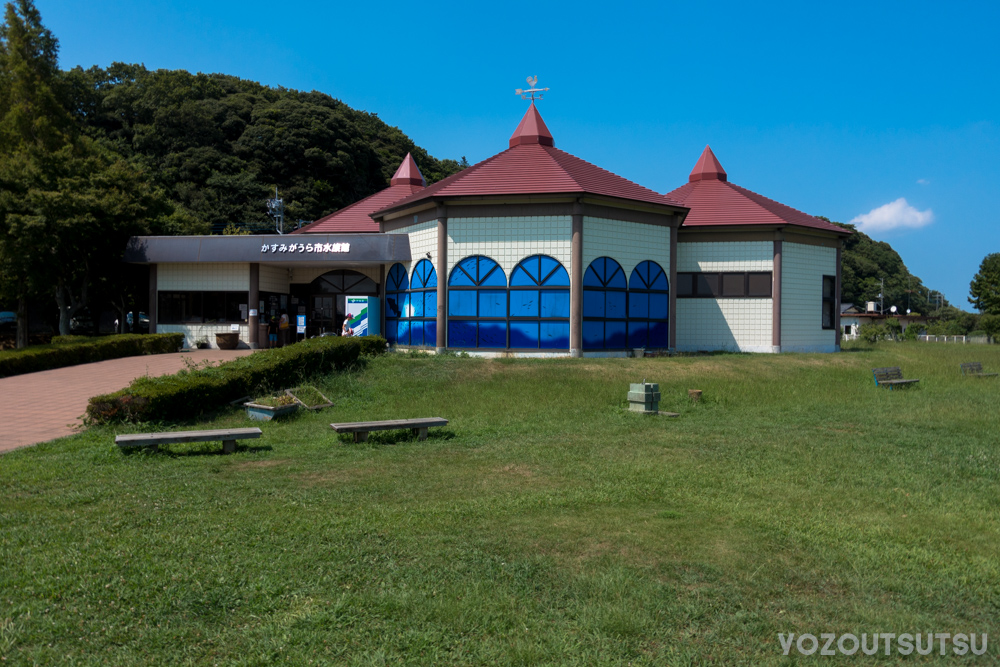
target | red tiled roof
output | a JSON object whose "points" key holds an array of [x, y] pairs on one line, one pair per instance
{"points": [[714, 201], [533, 165], [357, 217]]}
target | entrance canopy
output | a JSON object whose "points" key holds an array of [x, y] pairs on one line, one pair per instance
{"points": [[300, 250]]}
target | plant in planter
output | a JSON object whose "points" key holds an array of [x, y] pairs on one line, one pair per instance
{"points": [[309, 397], [271, 407]]}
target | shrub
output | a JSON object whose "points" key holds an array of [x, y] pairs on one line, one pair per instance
{"points": [[872, 333], [188, 393], [73, 350]]}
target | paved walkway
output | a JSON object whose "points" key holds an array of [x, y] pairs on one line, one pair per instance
{"points": [[42, 406]]}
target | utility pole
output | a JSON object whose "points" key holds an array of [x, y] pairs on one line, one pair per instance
{"points": [[276, 209]]}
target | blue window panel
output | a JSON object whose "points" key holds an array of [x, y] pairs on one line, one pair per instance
{"points": [[403, 332], [659, 306], [553, 274], [614, 305], [465, 272], [461, 333], [416, 333], [492, 303], [424, 275], [590, 278], [553, 336], [614, 275], [417, 303], [658, 334], [593, 335], [430, 333], [397, 280], [492, 334], [593, 303], [555, 303], [638, 305], [524, 303], [390, 330], [614, 335], [404, 304], [490, 274], [430, 304], [393, 305], [523, 275], [637, 333], [524, 334], [462, 302]]}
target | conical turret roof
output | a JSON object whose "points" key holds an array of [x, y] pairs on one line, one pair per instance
{"points": [[357, 216], [532, 130], [714, 201]]}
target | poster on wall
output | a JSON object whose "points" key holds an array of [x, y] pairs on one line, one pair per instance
{"points": [[357, 306]]}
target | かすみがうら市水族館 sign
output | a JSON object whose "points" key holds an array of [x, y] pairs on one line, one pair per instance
{"points": [[305, 247]]}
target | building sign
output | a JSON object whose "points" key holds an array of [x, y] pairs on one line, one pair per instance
{"points": [[300, 324], [305, 247], [357, 307]]}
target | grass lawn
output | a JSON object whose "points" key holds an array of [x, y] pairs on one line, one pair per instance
{"points": [[545, 525]]}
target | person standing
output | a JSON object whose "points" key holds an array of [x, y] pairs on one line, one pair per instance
{"points": [[272, 332]]}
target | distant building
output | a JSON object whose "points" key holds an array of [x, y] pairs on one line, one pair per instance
{"points": [[532, 251]]}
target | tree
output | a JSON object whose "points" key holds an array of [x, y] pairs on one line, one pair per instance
{"points": [[985, 286], [32, 123], [990, 324]]}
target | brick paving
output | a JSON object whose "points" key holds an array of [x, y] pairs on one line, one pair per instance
{"points": [[42, 406]]}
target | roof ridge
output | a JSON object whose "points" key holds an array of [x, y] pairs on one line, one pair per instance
{"points": [[549, 149]]}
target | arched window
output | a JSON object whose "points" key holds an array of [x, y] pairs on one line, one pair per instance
{"points": [[539, 304], [423, 304], [648, 306], [477, 304], [397, 307], [604, 307]]}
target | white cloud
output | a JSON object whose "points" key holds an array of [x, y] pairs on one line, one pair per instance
{"points": [[894, 215], [923, 181]]}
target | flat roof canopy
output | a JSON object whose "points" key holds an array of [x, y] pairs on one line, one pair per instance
{"points": [[300, 249]]}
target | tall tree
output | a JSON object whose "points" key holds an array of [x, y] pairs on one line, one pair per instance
{"points": [[984, 289], [32, 124]]}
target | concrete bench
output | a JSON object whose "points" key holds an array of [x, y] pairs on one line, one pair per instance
{"points": [[228, 436], [361, 429], [891, 376], [975, 368]]}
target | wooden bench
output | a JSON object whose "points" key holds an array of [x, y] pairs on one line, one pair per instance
{"points": [[975, 369], [890, 377], [361, 429], [228, 436]]}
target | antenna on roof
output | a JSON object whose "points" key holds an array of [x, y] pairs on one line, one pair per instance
{"points": [[529, 93], [276, 209]]}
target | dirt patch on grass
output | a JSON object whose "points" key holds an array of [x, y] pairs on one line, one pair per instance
{"points": [[515, 470], [256, 465], [327, 477]]}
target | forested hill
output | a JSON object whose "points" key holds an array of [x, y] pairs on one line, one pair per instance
{"points": [[865, 261], [218, 145]]}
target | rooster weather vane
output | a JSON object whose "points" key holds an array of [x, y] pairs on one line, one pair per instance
{"points": [[530, 92]]}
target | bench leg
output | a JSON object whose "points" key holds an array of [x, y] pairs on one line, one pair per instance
{"points": [[361, 436], [228, 446], [421, 433]]}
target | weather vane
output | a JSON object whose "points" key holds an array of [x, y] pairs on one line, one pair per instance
{"points": [[530, 92]]}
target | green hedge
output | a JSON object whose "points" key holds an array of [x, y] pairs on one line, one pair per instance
{"points": [[73, 350], [188, 393]]}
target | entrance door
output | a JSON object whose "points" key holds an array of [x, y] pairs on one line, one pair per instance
{"points": [[324, 314]]}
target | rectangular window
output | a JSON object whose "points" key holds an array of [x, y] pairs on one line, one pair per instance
{"points": [[829, 301], [730, 285], [734, 284], [198, 307], [759, 284], [706, 284]]}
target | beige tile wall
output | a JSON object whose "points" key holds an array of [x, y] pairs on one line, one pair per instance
{"points": [[509, 240], [738, 325], [725, 256], [203, 276], [802, 271]]}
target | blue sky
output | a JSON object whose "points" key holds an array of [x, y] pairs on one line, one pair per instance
{"points": [[839, 109]]}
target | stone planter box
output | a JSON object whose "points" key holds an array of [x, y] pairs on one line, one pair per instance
{"points": [[227, 341], [264, 413]]}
